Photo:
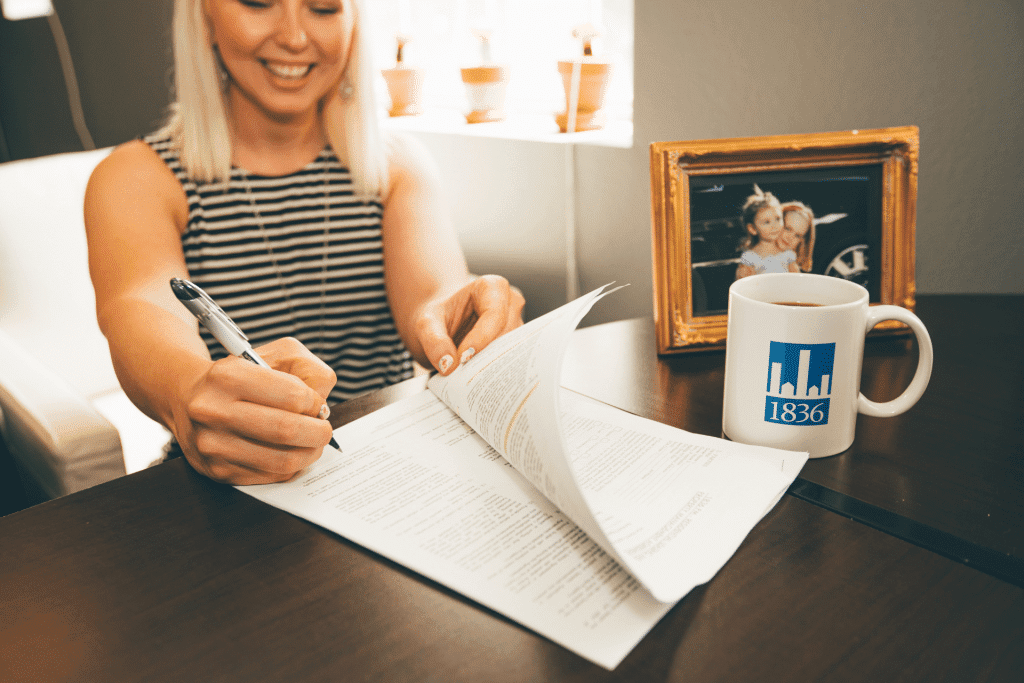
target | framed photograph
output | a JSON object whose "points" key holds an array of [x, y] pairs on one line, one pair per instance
{"points": [[840, 204]]}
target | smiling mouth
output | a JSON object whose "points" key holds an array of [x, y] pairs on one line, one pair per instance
{"points": [[288, 72]]}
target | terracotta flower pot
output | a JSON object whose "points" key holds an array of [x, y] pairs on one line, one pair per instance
{"points": [[593, 84], [406, 89], [485, 87]]}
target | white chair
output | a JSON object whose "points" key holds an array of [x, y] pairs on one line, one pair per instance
{"points": [[67, 423]]}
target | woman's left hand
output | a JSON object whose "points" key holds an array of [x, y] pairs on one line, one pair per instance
{"points": [[454, 328]]}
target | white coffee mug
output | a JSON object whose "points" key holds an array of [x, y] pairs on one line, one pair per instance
{"points": [[793, 359]]}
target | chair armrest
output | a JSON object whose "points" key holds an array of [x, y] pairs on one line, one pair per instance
{"points": [[53, 432]]}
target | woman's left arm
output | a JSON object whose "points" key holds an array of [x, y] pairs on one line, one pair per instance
{"points": [[432, 296]]}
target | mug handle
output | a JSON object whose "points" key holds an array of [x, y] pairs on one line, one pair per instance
{"points": [[908, 398]]}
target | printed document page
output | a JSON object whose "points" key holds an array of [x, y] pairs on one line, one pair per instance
{"points": [[671, 506], [674, 505], [415, 484], [508, 393]]}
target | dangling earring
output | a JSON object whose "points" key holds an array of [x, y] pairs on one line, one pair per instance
{"points": [[222, 71], [346, 90]]}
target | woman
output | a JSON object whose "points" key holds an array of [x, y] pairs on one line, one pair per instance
{"points": [[271, 188], [798, 234]]}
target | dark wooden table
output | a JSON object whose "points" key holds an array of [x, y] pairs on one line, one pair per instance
{"points": [[166, 576]]}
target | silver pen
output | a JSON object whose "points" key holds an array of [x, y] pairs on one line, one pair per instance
{"points": [[223, 328]]}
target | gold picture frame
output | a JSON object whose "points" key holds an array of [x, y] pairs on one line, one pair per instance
{"points": [[861, 186]]}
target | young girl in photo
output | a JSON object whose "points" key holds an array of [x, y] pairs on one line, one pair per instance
{"points": [[798, 233], [762, 217]]}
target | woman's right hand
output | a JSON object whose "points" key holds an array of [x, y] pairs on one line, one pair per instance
{"points": [[240, 423]]}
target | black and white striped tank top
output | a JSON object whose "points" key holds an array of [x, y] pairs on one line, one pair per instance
{"points": [[297, 255]]}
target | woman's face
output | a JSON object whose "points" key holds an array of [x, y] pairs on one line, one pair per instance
{"points": [[767, 224], [284, 56], [794, 226]]}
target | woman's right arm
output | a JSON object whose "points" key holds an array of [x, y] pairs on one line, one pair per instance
{"points": [[134, 212], [235, 421]]}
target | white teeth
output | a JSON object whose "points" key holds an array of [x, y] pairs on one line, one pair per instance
{"points": [[288, 71]]}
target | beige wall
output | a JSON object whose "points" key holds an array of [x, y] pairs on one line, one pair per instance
{"points": [[727, 68], [508, 201]]}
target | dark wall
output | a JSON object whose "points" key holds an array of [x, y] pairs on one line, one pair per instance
{"points": [[122, 57]]}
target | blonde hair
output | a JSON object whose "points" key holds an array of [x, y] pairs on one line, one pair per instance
{"points": [[804, 250], [198, 122]]}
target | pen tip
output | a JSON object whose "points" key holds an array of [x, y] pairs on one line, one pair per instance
{"points": [[182, 290]]}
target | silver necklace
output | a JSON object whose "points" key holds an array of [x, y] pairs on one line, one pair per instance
{"points": [[273, 256]]}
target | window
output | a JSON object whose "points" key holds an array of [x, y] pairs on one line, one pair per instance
{"points": [[527, 36]]}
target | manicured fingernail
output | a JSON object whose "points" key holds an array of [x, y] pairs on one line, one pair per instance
{"points": [[445, 363], [467, 354], [325, 412]]}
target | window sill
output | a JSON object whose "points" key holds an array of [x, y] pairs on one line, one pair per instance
{"points": [[528, 127]]}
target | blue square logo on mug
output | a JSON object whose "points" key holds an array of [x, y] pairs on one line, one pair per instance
{"points": [[799, 383]]}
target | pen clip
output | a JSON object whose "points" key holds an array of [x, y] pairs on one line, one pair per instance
{"points": [[214, 310]]}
